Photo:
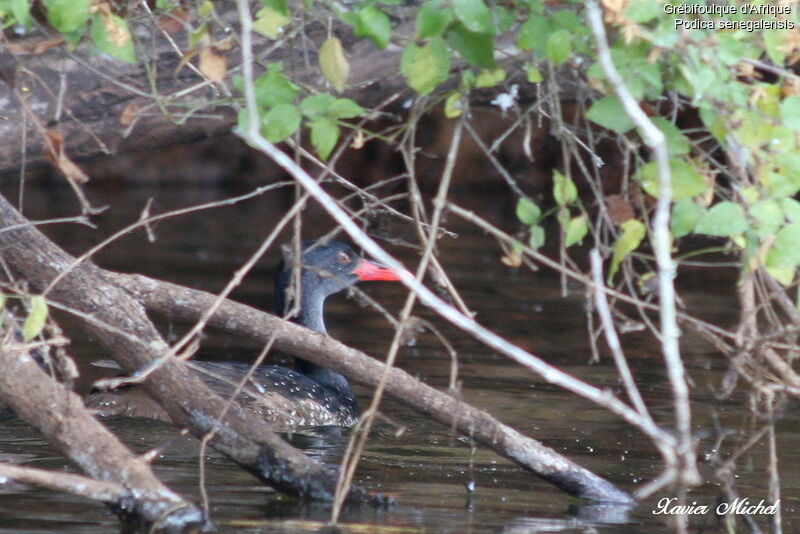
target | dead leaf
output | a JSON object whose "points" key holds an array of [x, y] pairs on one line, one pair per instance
{"points": [[54, 153], [173, 22], [185, 59], [33, 47], [790, 87], [358, 140], [128, 114], [213, 64], [226, 43], [619, 209]]}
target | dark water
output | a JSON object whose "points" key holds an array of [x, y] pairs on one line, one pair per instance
{"points": [[426, 467]]}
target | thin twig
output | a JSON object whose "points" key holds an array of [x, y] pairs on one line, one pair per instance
{"points": [[549, 373], [662, 243], [611, 335]]}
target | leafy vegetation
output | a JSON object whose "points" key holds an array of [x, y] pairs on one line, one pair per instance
{"points": [[722, 87]]}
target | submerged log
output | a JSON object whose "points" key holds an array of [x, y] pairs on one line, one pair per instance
{"points": [[181, 302], [124, 480], [120, 324]]}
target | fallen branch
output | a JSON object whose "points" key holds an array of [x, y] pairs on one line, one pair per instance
{"points": [[123, 479], [121, 325], [103, 491], [184, 303]]}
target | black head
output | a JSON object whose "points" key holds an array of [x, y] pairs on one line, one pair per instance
{"points": [[327, 268]]}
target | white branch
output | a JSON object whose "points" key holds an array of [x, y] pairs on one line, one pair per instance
{"points": [[654, 138], [549, 373]]}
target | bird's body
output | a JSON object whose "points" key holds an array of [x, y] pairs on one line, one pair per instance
{"points": [[308, 395]]}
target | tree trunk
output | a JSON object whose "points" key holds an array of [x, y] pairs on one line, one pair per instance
{"points": [[101, 106]]}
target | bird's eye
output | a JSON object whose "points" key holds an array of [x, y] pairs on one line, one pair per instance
{"points": [[344, 258]]}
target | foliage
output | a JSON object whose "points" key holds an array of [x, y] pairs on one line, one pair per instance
{"points": [[751, 109], [725, 94]]}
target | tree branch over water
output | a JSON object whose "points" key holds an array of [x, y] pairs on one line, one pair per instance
{"points": [[184, 303], [121, 325]]}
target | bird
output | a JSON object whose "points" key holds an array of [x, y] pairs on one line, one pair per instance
{"points": [[308, 395]]}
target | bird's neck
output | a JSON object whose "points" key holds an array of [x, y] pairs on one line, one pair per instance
{"points": [[311, 313], [311, 316]]}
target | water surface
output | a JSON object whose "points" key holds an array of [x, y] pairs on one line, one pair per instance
{"points": [[425, 466]]}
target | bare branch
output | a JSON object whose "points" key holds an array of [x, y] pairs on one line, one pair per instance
{"points": [[661, 244]]}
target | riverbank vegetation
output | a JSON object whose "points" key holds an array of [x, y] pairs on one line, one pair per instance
{"points": [[634, 141]]}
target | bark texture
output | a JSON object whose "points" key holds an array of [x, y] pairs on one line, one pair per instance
{"points": [[60, 416], [102, 106], [120, 324], [180, 302]]}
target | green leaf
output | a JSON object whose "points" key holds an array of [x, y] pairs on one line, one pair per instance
{"points": [[790, 112], [197, 35], [641, 11], [318, 105], [490, 78], [475, 16], [779, 184], [685, 216], [425, 67], [754, 131], [373, 23], [633, 232], [333, 64], [775, 46], [243, 120], [537, 238], [609, 113], [34, 323], [273, 88], [206, 10], [778, 269], [477, 49], [564, 190], [324, 134], [533, 34], [677, 143], [280, 122], [528, 212], [787, 239], [559, 46], [784, 255], [432, 19], [534, 75], [504, 19], [791, 209], [68, 16], [576, 230], [686, 181], [21, 10], [278, 5], [344, 108], [723, 219], [270, 22], [454, 105], [568, 20], [769, 217], [111, 36], [729, 49]]}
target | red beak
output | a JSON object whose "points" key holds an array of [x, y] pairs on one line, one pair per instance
{"points": [[368, 270]]}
